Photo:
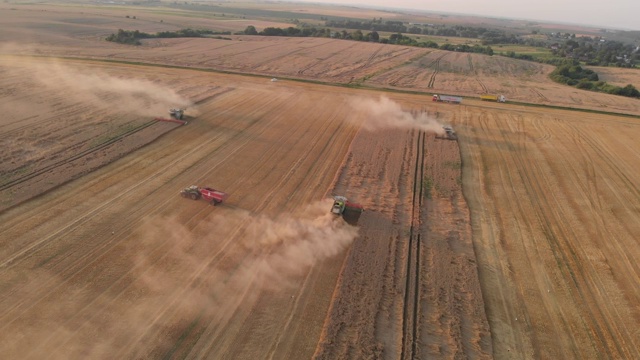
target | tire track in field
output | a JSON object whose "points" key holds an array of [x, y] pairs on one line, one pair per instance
{"points": [[386, 57], [318, 62], [539, 94], [367, 63], [475, 73], [414, 253], [373, 56], [436, 65], [301, 48]]}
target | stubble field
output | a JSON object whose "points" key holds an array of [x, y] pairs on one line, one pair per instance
{"points": [[534, 261]]}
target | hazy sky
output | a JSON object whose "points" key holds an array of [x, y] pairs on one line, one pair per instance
{"points": [[618, 14]]}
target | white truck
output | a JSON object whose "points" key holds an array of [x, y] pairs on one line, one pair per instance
{"points": [[447, 99]]}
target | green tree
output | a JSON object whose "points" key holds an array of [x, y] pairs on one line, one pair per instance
{"points": [[357, 35], [250, 30]]}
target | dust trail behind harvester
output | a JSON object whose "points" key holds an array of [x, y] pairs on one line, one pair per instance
{"points": [[176, 274], [293, 244], [385, 113], [118, 94], [266, 254]]}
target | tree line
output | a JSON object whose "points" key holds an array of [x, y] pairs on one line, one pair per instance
{"points": [[133, 37], [598, 52], [358, 35], [572, 74], [487, 36], [594, 51]]}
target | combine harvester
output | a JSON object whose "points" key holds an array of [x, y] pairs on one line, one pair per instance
{"points": [[447, 99], [213, 196], [449, 134], [349, 211], [498, 98], [176, 116]]}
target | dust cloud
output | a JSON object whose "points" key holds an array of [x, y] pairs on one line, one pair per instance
{"points": [[274, 251], [289, 245], [171, 273], [222, 266], [385, 113], [118, 94]]}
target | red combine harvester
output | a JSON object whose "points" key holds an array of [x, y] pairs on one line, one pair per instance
{"points": [[349, 211], [211, 195]]}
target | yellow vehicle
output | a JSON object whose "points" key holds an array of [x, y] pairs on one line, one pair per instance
{"points": [[498, 98]]}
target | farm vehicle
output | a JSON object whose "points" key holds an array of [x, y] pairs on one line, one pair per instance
{"points": [[213, 196], [447, 99], [498, 98], [349, 211], [175, 115], [449, 134]]}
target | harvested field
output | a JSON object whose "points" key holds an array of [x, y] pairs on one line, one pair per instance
{"points": [[554, 207], [617, 76], [101, 258], [117, 251]]}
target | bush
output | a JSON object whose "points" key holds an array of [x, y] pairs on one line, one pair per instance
{"points": [[572, 74], [585, 85]]}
